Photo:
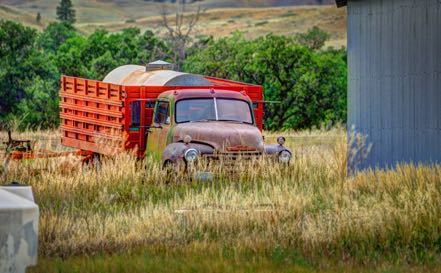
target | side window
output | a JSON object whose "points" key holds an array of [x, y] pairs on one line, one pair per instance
{"points": [[162, 114], [150, 104], [135, 107]]}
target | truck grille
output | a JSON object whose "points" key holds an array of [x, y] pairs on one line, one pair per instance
{"points": [[233, 156]]}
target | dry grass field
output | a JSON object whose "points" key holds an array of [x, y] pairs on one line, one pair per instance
{"points": [[127, 216]]}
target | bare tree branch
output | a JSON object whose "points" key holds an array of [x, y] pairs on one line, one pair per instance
{"points": [[193, 21], [164, 19], [179, 35]]}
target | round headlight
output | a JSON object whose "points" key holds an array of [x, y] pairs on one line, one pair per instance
{"points": [[284, 156], [191, 155], [281, 140]]}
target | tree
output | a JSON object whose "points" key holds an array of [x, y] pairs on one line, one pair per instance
{"points": [[54, 35], [179, 34], [66, 12], [201, 42], [31, 64], [40, 107], [20, 65], [315, 38], [16, 46], [305, 87], [95, 56]]}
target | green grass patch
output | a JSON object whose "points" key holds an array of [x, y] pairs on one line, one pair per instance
{"points": [[212, 260], [261, 23], [289, 13]]}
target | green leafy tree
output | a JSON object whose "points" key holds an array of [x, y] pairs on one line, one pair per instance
{"points": [[16, 47], [31, 64], [66, 12], [40, 107], [95, 56], [20, 65], [306, 88], [54, 35], [315, 38]]}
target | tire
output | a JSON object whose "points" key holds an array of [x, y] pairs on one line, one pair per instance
{"points": [[170, 170], [174, 170]]}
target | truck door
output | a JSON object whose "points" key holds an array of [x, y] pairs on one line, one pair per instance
{"points": [[141, 112], [158, 132]]}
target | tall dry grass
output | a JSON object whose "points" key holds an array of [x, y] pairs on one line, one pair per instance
{"points": [[310, 207]]}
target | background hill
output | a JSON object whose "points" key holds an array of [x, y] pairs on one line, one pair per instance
{"points": [[19, 15], [107, 10], [221, 18], [253, 22]]}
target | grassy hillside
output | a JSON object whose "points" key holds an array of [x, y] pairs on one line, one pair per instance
{"points": [[255, 18], [253, 21], [18, 15], [114, 10]]}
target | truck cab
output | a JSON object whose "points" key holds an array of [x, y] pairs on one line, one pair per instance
{"points": [[208, 123]]}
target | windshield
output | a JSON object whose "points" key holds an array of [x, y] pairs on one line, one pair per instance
{"points": [[192, 110]]}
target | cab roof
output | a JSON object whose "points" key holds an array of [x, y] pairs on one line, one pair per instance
{"points": [[180, 94]]}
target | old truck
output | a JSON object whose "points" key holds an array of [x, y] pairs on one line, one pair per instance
{"points": [[175, 117]]}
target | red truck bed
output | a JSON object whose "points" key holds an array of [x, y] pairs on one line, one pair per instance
{"points": [[95, 117]]}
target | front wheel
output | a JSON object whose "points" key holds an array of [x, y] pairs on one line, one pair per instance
{"points": [[173, 170]]}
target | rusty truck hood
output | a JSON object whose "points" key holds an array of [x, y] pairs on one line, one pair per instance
{"points": [[223, 136]]}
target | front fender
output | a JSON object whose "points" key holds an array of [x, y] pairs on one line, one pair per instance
{"points": [[174, 152]]}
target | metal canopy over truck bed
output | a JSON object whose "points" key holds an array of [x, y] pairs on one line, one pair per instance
{"points": [[96, 116]]}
